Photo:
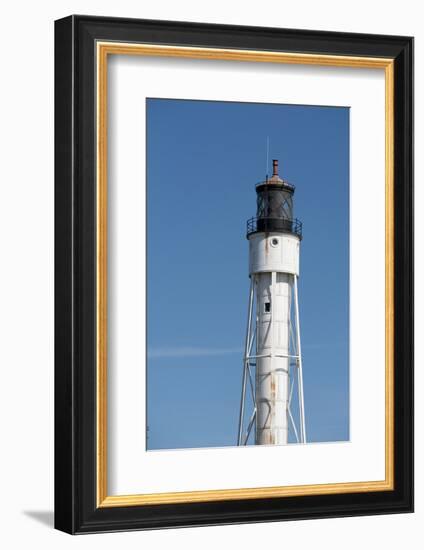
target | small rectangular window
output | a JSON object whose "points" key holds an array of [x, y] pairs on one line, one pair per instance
{"points": [[267, 307]]}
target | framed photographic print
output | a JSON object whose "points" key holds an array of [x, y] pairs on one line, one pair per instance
{"points": [[234, 271]]}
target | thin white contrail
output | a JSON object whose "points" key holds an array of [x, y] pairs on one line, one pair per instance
{"points": [[170, 353]]}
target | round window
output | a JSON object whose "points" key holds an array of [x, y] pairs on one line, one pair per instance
{"points": [[274, 241]]}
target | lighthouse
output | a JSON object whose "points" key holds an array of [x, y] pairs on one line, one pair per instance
{"points": [[272, 402]]}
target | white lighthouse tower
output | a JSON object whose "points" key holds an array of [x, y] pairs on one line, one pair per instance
{"points": [[272, 385]]}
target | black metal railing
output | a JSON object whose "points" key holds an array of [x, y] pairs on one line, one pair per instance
{"points": [[255, 225]]}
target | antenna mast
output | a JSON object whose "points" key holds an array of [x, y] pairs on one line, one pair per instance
{"points": [[267, 157]]}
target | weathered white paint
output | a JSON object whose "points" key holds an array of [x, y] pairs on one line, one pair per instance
{"points": [[274, 263], [274, 251]]}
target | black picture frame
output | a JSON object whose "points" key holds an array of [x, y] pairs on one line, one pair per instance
{"points": [[76, 509]]}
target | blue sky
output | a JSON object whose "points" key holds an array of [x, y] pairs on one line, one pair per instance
{"points": [[203, 161]]}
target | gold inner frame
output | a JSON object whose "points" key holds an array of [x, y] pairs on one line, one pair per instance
{"points": [[104, 49]]}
